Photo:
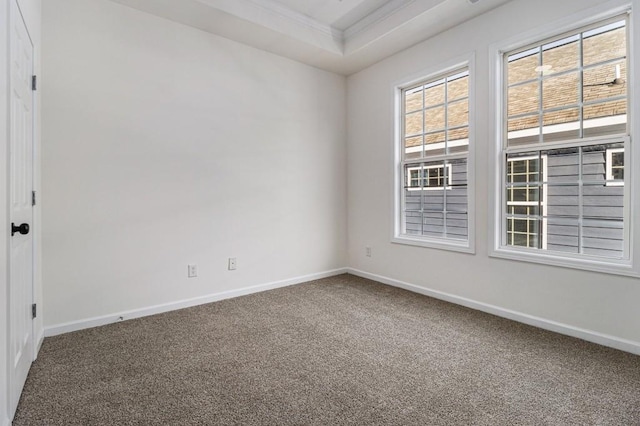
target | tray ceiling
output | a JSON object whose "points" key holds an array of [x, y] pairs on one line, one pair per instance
{"points": [[343, 36]]}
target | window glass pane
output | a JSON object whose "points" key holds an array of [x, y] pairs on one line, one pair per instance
{"points": [[523, 130], [434, 177], [458, 181], [413, 147], [561, 125], [560, 91], [458, 225], [523, 231], [433, 200], [604, 46], [434, 93], [594, 164], [434, 138], [413, 180], [605, 118], [524, 67], [413, 123], [458, 113], [603, 201], [561, 55], [563, 234], [458, 140], [522, 123], [413, 100], [434, 144], [603, 237], [562, 165], [458, 88], [605, 81], [523, 99], [434, 119], [433, 224], [558, 197], [615, 165], [413, 222]]}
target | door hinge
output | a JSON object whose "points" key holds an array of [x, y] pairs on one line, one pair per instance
{"points": [[34, 310], [34, 82], [33, 198]]}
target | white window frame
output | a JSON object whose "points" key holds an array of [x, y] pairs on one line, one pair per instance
{"points": [[630, 265], [429, 188], [609, 167], [544, 201], [397, 236]]}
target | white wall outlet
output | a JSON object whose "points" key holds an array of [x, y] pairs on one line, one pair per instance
{"points": [[192, 271], [367, 251], [232, 263]]}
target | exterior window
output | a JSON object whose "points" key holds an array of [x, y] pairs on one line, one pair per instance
{"points": [[433, 203], [565, 131], [615, 167], [428, 177], [525, 202]]}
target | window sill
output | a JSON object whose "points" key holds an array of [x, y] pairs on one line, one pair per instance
{"points": [[613, 266], [437, 243]]}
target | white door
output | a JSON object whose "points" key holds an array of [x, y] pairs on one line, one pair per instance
{"points": [[21, 210]]}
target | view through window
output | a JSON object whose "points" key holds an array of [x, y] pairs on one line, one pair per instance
{"points": [[435, 137], [566, 130]]}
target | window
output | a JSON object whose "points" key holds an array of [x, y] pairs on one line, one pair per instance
{"points": [[615, 166], [526, 202], [433, 152], [565, 118], [428, 178]]}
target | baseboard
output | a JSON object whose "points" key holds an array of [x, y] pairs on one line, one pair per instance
{"points": [[38, 344], [569, 330], [181, 304]]}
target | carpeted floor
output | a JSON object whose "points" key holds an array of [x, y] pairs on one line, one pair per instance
{"points": [[342, 350]]}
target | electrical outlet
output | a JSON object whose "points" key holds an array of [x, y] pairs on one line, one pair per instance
{"points": [[232, 263], [367, 251], [192, 271]]}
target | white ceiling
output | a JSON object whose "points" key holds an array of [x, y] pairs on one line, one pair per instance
{"points": [[343, 36], [340, 14]]}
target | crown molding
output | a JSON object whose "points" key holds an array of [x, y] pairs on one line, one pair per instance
{"points": [[375, 17], [272, 7], [276, 17], [273, 27]]}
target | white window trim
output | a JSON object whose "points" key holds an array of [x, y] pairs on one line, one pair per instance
{"points": [[464, 246], [609, 167], [628, 267], [429, 188]]}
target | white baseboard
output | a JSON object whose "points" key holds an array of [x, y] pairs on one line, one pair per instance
{"points": [[38, 344], [569, 330], [172, 306]]}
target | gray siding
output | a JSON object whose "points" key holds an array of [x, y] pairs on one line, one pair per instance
{"points": [[602, 230], [431, 222]]}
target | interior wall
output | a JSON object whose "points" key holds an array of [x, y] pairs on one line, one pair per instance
{"points": [[165, 146], [31, 10], [599, 303]]}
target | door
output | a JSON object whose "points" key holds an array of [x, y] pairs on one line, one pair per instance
{"points": [[20, 204]]}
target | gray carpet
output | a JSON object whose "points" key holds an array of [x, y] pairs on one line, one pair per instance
{"points": [[337, 351]]}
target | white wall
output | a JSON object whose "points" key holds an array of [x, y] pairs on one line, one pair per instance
{"points": [[31, 10], [598, 303], [164, 145]]}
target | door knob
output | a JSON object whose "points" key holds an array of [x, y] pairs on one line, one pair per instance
{"points": [[23, 229]]}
